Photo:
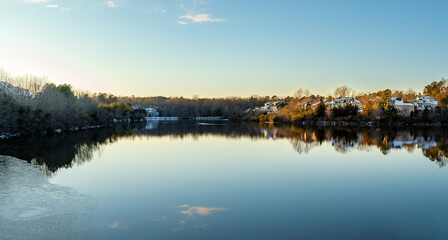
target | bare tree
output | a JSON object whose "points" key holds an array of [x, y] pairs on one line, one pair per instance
{"points": [[409, 95], [301, 93], [343, 91], [4, 76]]}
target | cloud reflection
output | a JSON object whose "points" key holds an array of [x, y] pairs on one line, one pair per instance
{"points": [[202, 211], [114, 225], [194, 216], [118, 225]]}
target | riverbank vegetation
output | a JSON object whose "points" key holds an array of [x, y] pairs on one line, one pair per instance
{"points": [[230, 107], [375, 107], [33, 106]]}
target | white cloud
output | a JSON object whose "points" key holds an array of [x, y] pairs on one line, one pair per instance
{"points": [[110, 4], [52, 6], [182, 22], [202, 18]]}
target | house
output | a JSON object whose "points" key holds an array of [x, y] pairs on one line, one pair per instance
{"points": [[312, 104], [343, 101], [404, 109], [425, 102], [13, 91], [271, 107], [151, 112]]}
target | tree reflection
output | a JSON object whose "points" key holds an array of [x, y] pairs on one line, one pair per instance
{"points": [[59, 151], [432, 142], [67, 150]]}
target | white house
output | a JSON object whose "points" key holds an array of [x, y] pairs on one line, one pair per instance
{"points": [[343, 101], [425, 102], [271, 107], [151, 112], [404, 109], [15, 92]]}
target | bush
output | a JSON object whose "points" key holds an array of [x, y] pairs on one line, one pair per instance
{"points": [[320, 111], [345, 111]]}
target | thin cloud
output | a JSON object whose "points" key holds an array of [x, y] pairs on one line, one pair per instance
{"points": [[158, 10], [37, 1], [199, 2], [182, 22], [199, 18], [110, 4], [52, 6]]}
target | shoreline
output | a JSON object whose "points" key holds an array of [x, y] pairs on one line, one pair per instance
{"points": [[312, 123], [6, 136]]}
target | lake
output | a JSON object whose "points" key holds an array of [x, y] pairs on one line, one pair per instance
{"points": [[222, 180]]}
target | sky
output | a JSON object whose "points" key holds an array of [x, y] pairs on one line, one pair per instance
{"points": [[217, 48]]}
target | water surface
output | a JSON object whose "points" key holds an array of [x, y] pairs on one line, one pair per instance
{"points": [[191, 180]]}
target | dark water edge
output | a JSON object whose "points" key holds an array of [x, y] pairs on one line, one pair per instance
{"points": [[68, 148]]}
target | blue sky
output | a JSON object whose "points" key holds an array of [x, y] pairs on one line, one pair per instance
{"points": [[218, 48]]}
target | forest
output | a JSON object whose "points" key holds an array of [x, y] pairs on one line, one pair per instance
{"points": [[230, 107]]}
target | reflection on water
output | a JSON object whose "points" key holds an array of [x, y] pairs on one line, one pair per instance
{"points": [[189, 180], [203, 211], [66, 150]]}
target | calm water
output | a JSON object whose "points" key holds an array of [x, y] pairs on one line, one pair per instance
{"points": [[189, 180]]}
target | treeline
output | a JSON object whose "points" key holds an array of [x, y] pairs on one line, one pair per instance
{"points": [[119, 109], [377, 106], [50, 108], [33, 106], [231, 107]]}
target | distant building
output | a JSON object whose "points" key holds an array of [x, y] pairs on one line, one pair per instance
{"points": [[13, 91], [312, 104], [343, 101], [271, 107], [404, 109], [151, 112], [425, 102]]}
